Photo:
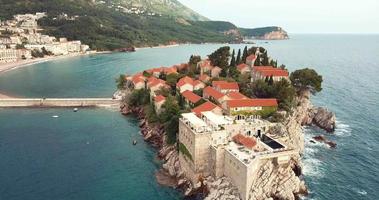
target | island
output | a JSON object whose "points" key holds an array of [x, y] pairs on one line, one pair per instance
{"points": [[228, 126]]}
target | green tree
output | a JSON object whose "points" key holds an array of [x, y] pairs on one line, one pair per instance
{"points": [[170, 118], [244, 55], [194, 59], [238, 60], [306, 79], [220, 57], [285, 93], [121, 82], [138, 98], [233, 60]]}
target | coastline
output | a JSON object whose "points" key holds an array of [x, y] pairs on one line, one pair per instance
{"points": [[5, 67]]}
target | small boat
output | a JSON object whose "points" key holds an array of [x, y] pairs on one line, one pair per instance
{"points": [[134, 142], [55, 116], [76, 109]]}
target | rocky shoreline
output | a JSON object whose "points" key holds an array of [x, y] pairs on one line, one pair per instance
{"points": [[281, 183]]}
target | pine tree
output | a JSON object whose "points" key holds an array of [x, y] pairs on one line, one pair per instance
{"points": [[233, 61], [244, 55], [238, 60]]}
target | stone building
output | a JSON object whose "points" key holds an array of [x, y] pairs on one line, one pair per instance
{"points": [[217, 145]]}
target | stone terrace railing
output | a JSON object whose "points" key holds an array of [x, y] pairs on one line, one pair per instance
{"points": [[59, 102]]}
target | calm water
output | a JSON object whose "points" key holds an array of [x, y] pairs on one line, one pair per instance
{"points": [[41, 155]]}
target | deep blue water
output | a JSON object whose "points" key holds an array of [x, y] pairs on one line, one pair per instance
{"points": [[348, 63]]}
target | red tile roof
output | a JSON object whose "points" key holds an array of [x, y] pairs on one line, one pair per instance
{"points": [[224, 85], [204, 78], [270, 71], [236, 95], [209, 91], [207, 106], [242, 66], [251, 57], [170, 70], [248, 142], [159, 70], [197, 82], [152, 81], [190, 96], [159, 98], [184, 80], [251, 103], [275, 72], [137, 78]]}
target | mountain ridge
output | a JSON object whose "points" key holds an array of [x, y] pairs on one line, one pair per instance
{"points": [[116, 24]]}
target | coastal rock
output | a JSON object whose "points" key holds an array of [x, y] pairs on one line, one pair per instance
{"points": [[321, 138], [165, 179], [324, 119], [277, 182], [221, 188]]}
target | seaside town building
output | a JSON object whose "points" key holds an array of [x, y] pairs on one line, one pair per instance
{"points": [[158, 103], [13, 55], [138, 81], [250, 60], [23, 34], [191, 98], [187, 83], [207, 106], [213, 95], [225, 87], [243, 68], [204, 78], [155, 84], [248, 108], [261, 72], [217, 145]]}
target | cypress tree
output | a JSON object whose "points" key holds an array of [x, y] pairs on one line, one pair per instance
{"points": [[238, 60], [258, 61], [266, 79], [233, 61], [271, 80], [244, 55]]}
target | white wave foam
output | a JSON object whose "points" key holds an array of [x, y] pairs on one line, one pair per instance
{"points": [[312, 166], [342, 130], [360, 191]]}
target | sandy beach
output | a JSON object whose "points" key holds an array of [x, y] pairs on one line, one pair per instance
{"points": [[4, 67]]}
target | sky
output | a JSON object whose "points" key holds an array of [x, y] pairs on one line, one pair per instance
{"points": [[295, 16]]}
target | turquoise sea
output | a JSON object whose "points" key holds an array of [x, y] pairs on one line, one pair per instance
{"points": [[88, 155]]}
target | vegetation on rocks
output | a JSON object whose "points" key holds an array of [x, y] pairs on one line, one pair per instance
{"points": [[306, 79]]}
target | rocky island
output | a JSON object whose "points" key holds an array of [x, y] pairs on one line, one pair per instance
{"points": [[227, 127]]}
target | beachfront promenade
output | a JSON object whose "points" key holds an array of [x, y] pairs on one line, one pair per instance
{"points": [[58, 102]]}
